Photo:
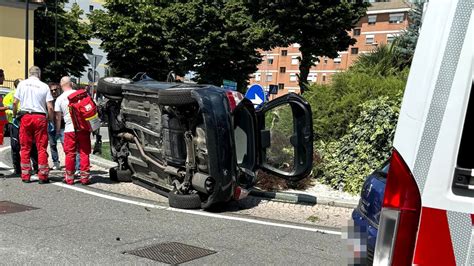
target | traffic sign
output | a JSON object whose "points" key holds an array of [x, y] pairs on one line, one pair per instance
{"points": [[256, 95], [229, 85], [94, 59]]}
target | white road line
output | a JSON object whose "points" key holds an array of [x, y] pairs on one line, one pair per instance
{"points": [[201, 213]]}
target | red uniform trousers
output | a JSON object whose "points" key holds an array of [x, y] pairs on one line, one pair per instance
{"points": [[34, 126], [73, 142]]}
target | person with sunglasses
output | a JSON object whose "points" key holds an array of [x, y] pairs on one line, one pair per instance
{"points": [[52, 136]]}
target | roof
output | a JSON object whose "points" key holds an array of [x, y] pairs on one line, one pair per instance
{"points": [[382, 7]]}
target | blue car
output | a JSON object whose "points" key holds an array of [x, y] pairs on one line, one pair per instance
{"points": [[366, 215]]}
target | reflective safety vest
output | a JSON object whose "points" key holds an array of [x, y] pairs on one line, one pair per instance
{"points": [[8, 101]]}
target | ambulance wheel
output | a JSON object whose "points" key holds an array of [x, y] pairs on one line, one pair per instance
{"points": [[120, 175], [176, 96], [112, 85]]}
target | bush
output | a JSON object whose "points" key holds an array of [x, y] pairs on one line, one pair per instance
{"points": [[337, 105], [365, 146]]}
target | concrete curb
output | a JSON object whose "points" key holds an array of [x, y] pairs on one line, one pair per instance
{"points": [[297, 198], [101, 162], [288, 197]]}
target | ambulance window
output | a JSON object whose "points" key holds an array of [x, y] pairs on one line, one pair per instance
{"points": [[466, 149]]}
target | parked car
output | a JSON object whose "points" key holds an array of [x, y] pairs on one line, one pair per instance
{"points": [[200, 144], [367, 213]]}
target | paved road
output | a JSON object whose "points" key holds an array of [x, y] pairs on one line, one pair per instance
{"points": [[93, 226], [74, 227]]}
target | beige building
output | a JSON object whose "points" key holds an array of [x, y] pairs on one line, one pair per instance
{"points": [[280, 66]]}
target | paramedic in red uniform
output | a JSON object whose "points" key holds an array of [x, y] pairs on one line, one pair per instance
{"points": [[36, 109], [73, 140]]}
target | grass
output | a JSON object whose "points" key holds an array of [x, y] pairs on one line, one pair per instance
{"points": [[313, 219], [106, 151]]}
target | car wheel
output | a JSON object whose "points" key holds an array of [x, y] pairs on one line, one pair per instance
{"points": [[176, 96], [112, 85], [179, 201], [120, 175]]}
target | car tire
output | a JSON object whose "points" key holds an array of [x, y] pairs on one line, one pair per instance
{"points": [[176, 96], [120, 175], [112, 85], [179, 201]]}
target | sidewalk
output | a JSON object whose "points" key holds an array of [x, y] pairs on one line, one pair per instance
{"points": [[318, 194]]}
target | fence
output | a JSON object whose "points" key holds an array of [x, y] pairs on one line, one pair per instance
{"points": [[8, 83]]}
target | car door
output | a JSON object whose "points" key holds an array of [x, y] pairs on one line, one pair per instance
{"points": [[285, 137]]}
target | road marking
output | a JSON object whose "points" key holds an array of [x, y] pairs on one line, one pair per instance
{"points": [[201, 213]]}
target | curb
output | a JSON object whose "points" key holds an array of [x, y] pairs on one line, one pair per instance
{"points": [[297, 198], [287, 197], [101, 162]]}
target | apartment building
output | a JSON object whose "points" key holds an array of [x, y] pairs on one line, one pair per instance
{"points": [[382, 23]]}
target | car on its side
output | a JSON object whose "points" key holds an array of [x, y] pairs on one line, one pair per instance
{"points": [[201, 144], [367, 213]]}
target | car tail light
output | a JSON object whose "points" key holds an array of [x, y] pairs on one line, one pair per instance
{"points": [[234, 98], [400, 216]]}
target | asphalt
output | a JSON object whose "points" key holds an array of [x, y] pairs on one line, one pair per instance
{"points": [[71, 227]]}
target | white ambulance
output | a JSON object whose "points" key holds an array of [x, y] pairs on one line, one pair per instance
{"points": [[428, 208]]}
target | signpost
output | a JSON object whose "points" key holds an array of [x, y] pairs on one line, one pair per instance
{"points": [[229, 85], [93, 76], [256, 95]]}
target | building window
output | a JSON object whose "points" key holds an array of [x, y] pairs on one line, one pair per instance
{"points": [[284, 52], [369, 39], [354, 50], [269, 77], [293, 77], [281, 86], [294, 60], [324, 78], [270, 60], [312, 77], [356, 32], [258, 77], [282, 69], [396, 18], [372, 19], [91, 8], [337, 60], [325, 60], [391, 38]]}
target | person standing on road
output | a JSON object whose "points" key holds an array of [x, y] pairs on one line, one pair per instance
{"points": [[36, 109], [53, 135], [73, 140], [14, 130]]}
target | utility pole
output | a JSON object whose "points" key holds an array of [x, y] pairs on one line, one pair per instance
{"points": [[27, 22]]}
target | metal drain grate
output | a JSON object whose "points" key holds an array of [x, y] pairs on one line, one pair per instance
{"points": [[171, 252], [7, 207]]}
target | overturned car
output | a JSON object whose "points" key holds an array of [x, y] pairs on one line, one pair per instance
{"points": [[200, 144]]}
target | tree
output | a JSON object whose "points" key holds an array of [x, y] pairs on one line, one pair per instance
{"points": [[132, 35], [220, 37], [405, 43], [72, 41], [216, 39], [319, 26]]}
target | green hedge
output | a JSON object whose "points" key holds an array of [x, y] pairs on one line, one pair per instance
{"points": [[365, 146]]}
